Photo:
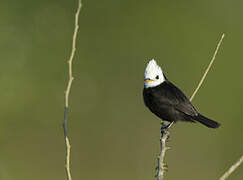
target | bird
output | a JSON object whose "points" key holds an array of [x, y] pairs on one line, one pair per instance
{"points": [[167, 101]]}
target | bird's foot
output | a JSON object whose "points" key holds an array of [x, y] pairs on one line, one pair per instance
{"points": [[164, 128]]}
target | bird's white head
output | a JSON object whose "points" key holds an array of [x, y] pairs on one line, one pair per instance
{"points": [[153, 75]]}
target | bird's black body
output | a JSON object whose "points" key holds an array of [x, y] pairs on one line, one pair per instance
{"points": [[169, 103]]}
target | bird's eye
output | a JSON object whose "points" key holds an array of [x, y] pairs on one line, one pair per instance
{"points": [[157, 77]]}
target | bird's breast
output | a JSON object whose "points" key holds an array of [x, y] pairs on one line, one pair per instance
{"points": [[156, 105]]}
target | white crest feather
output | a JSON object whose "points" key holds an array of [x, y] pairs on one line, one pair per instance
{"points": [[154, 73]]}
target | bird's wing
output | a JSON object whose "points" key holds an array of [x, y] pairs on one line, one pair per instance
{"points": [[174, 97]]}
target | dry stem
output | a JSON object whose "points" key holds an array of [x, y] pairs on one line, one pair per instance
{"points": [[231, 169], [165, 135], [67, 92], [208, 68]]}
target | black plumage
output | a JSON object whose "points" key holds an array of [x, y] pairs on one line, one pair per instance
{"points": [[170, 104]]}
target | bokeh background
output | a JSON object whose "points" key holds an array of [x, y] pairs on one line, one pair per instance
{"points": [[113, 135]]}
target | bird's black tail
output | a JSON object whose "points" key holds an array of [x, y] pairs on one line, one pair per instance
{"points": [[207, 122]]}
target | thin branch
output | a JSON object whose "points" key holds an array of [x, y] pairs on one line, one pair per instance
{"points": [[231, 169], [67, 92], [165, 134], [208, 68]]}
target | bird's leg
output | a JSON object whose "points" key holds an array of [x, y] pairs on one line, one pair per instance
{"points": [[165, 127]]}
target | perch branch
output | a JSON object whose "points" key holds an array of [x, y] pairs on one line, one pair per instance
{"points": [[165, 134], [163, 138], [231, 169], [67, 92]]}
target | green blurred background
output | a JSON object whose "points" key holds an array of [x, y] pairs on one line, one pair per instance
{"points": [[113, 135]]}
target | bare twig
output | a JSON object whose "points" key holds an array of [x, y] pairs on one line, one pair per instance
{"points": [[67, 92], [164, 135], [208, 68], [231, 169]]}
